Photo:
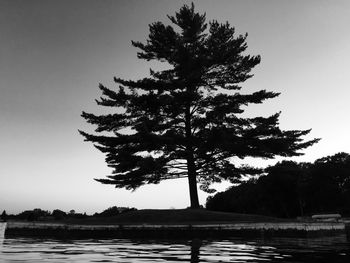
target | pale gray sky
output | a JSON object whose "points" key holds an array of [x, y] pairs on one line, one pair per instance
{"points": [[53, 54]]}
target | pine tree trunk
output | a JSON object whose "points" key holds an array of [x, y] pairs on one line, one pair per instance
{"points": [[192, 182], [191, 168]]}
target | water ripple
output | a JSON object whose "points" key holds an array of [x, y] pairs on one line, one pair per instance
{"points": [[29, 250]]}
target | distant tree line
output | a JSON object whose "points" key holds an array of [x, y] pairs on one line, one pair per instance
{"points": [[289, 189], [38, 214], [113, 211]]}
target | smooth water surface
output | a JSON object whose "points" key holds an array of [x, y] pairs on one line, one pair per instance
{"points": [[327, 249]]}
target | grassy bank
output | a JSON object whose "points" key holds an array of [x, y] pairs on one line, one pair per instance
{"points": [[173, 216]]}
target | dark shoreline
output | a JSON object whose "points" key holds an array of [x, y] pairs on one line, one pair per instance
{"points": [[260, 229]]}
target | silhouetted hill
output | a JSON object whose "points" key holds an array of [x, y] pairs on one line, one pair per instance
{"points": [[174, 216]]}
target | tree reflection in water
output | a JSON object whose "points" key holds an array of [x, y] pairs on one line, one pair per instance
{"points": [[195, 250]]}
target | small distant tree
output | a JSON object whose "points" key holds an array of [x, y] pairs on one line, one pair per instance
{"points": [[59, 214], [111, 211], [186, 121], [3, 216]]}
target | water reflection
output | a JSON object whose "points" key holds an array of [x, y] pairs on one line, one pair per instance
{"points": [[195, 250], [329, 249]]}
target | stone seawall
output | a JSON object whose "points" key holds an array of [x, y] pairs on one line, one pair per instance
{"points": [[172, 230]]}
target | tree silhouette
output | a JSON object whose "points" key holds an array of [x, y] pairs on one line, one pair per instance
{"points": [[3, 216], [186, 121], [292, 189], [329, 184]]}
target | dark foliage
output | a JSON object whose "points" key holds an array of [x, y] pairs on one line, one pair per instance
{"points": [[79, 215], [33, 215], [114, 210], [59, 214], [128, 209], [290, 189], [111, 211], [187, 121], [329, 180], [3, 216]]}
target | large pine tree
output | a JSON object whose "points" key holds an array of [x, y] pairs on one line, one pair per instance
{"points": [[187, 121]]}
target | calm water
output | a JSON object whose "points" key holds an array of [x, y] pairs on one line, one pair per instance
{"points": [[329, 249]]}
